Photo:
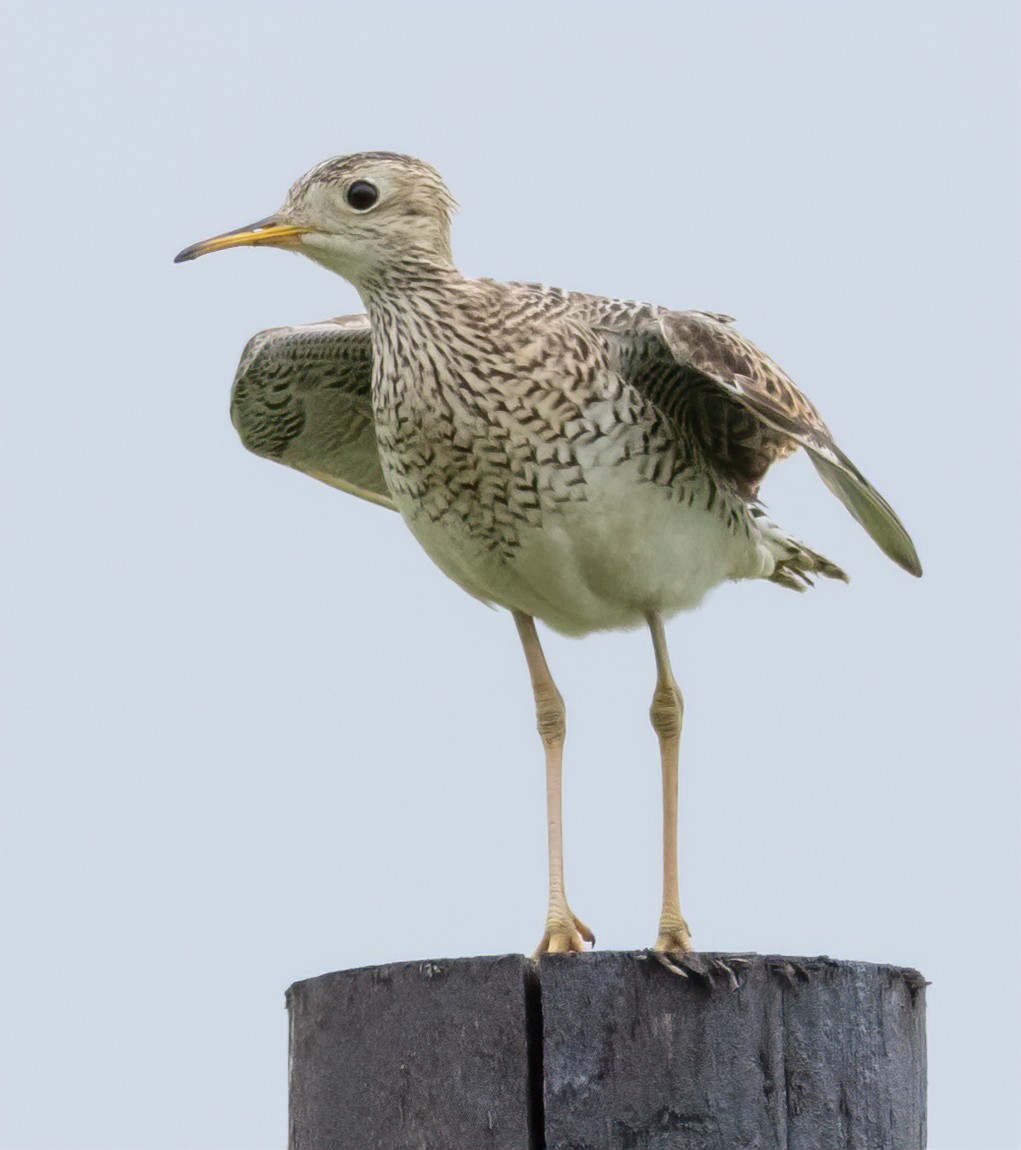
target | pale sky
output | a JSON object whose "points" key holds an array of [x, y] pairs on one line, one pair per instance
{"points": [[252, 735]]}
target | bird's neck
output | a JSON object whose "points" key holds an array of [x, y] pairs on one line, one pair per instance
{"points": [[408, 290]]}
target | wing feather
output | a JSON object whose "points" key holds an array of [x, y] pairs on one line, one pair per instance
{"points": [[716, 352], [302, 396]]}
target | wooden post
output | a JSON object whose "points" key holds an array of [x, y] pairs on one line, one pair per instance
{"points": [[609, 1051]]}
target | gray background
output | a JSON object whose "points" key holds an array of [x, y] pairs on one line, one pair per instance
{"points": [[252, 735]]}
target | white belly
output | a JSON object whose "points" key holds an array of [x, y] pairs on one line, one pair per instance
{"points": [[603, 563]]}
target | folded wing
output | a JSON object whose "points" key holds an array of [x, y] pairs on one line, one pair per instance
{"points": [[748, 413]]}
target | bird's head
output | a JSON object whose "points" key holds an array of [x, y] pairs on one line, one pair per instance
{"points": [[358, 215]]}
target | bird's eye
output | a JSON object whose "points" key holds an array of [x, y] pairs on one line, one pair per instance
{"points": [[362, 195]]}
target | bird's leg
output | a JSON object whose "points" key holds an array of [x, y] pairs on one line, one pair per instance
{"points": [[667, 713], [564, 932]]}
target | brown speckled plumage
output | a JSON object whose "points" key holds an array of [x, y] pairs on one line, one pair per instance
{"points": [[591, 462], [705, 412]]}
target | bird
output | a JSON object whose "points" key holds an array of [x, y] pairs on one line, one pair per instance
{"points": [[589, 462]]}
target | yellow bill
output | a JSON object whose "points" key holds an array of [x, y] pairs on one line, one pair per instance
{"points": [[270, 232]]}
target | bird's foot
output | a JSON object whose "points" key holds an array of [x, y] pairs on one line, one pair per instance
{"points": [[709, 969], [674, 936], [565, 934]]}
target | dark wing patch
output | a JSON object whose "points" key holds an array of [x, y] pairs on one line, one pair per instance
{"points": [[735, 441], [303, 396], [702, 346], [736, 367]]}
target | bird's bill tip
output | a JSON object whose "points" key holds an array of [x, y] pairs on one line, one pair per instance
{"points": [[270, 232]]}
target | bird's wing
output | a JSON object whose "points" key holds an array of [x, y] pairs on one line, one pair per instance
{"points": [[302, 396], [747, 413]]}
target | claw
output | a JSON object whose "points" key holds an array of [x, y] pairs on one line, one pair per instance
{"points": [[563, 937], [705, 968], [584, 931], [664, 959], [731, 976]]}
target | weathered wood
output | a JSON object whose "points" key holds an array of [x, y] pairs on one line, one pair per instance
{"points": [[411, 1056], [609, 1051], [742, 1051]]}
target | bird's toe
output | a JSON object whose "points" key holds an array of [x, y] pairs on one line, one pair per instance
{"points": [[565, 934], [674, 938]]}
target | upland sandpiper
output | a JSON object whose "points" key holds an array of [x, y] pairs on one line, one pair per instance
{"points": [[590, 462]]}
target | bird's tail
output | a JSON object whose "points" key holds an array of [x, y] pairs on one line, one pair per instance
{"points": [[794, 563]]}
